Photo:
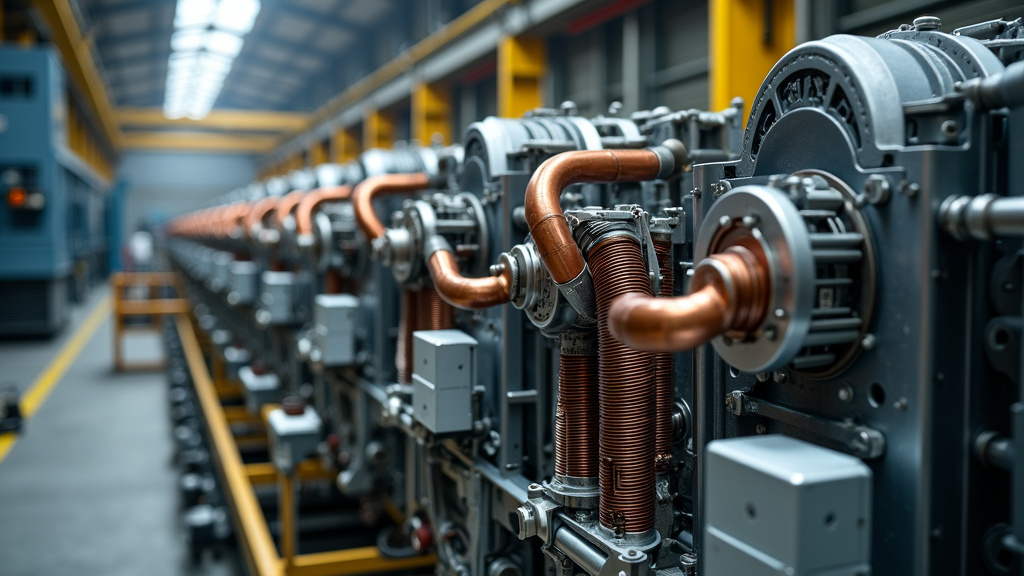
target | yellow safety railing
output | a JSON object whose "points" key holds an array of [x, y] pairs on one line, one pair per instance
{"points": [[126, 288]]}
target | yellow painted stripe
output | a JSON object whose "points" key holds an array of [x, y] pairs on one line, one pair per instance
{"points": [[44, 384]]}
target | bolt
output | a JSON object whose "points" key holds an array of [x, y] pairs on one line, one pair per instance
{"points": [[695, 193], [632, 553], [497, 269], [771, 333], [730, 403], [750, 221], [876, 189], [901, 404], [950, 129], [724, 221], [763, 376], [868, 342], [780, 313], [926, 23], [846, 393], [760, 429], [780, 377], [909, 189]]}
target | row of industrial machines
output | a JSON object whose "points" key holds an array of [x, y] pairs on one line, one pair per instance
{"points": [[664, 344]]}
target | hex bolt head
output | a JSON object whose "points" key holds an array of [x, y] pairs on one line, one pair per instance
{"points": [[846, 393], [724, 221], [876, 189]]}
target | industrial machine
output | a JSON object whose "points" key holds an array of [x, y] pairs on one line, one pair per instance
{"points": [[52, 234], [661, 344]]}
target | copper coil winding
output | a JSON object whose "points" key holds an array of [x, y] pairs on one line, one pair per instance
{"points": [[626, 395], [406, 325], [434, 313], [576, 416], [664, 366]]}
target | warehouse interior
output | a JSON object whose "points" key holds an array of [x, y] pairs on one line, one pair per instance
{"points": [[512, 287]]}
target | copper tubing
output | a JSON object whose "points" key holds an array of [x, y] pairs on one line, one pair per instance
{"points": [[626, 394], [259, 213], [550, 232], [664, 366], [363, 195], [467, 293], [288, 202], [312, 201], [712, 309], [406, 326], [576, 415], [434, 313]]}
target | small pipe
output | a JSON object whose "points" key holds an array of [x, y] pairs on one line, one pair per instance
{"points": [[288, 202], [363, 195], [467, 293], [254, 221], [312, 201], [730, 292], [543, 209]]}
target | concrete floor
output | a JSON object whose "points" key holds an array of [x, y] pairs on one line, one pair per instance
{"points": [[90, 488]]}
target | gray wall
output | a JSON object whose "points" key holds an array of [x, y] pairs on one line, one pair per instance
{"points": [[171, 183]]}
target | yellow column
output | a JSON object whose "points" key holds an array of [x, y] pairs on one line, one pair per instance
{"points": [[378, 130], [346, 144], [744, 46], [431, 113], [522, 63], [318, 153]]}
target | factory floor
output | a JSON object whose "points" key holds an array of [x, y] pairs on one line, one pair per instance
{"points": [[89, 487]]}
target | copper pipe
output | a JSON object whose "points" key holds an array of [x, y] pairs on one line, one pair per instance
{"points": [[576, 415], [362, 197], [288, 202], [626, 395], [712, 309], [550, 232], [406, 326], [312, 201], [664, 368], [467, 293], [434, 313], [259, 213]]}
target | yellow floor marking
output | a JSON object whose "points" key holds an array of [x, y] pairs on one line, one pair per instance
{"points": [[44, 384]]}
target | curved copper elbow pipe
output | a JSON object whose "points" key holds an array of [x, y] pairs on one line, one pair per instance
{"points": [[362, 198], [544, 216], [288, 202], [312, 201], [729, 292], [467, 293], [259, 213]]}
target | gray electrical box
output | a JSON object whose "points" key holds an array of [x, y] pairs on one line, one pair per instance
{"points": [[260, 389], [242, 283], [780, 506], [335, 318], [221, 280], [444, 373], [293, 437], [277, 298]]}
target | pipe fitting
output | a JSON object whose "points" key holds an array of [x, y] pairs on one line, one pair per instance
{"points": [[311, 202], [363, 195]]}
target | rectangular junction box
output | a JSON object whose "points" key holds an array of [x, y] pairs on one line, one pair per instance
{"points": [[277, 298], [242, 283], [777, 505], [221, 280], [444, 374], [335, 317], [260, 389], [293, 437]]}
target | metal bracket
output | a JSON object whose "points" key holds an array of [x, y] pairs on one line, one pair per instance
{"points": [[860, 441]]}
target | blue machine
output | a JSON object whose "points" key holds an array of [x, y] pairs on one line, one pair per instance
{"points": [[52, 233]]}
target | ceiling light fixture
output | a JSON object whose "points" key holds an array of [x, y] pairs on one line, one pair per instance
{"points": [[208, 35]]}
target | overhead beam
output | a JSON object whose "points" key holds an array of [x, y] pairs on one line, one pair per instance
{"points": [[198, 141], [77, 59], [238, 120]]}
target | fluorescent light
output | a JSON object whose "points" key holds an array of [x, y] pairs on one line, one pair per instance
{"points": [[194, 13], [223, 43], [237, 15], [208, 35]]}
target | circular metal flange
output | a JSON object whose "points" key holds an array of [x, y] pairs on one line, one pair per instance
{"points": [[768, 216]]}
